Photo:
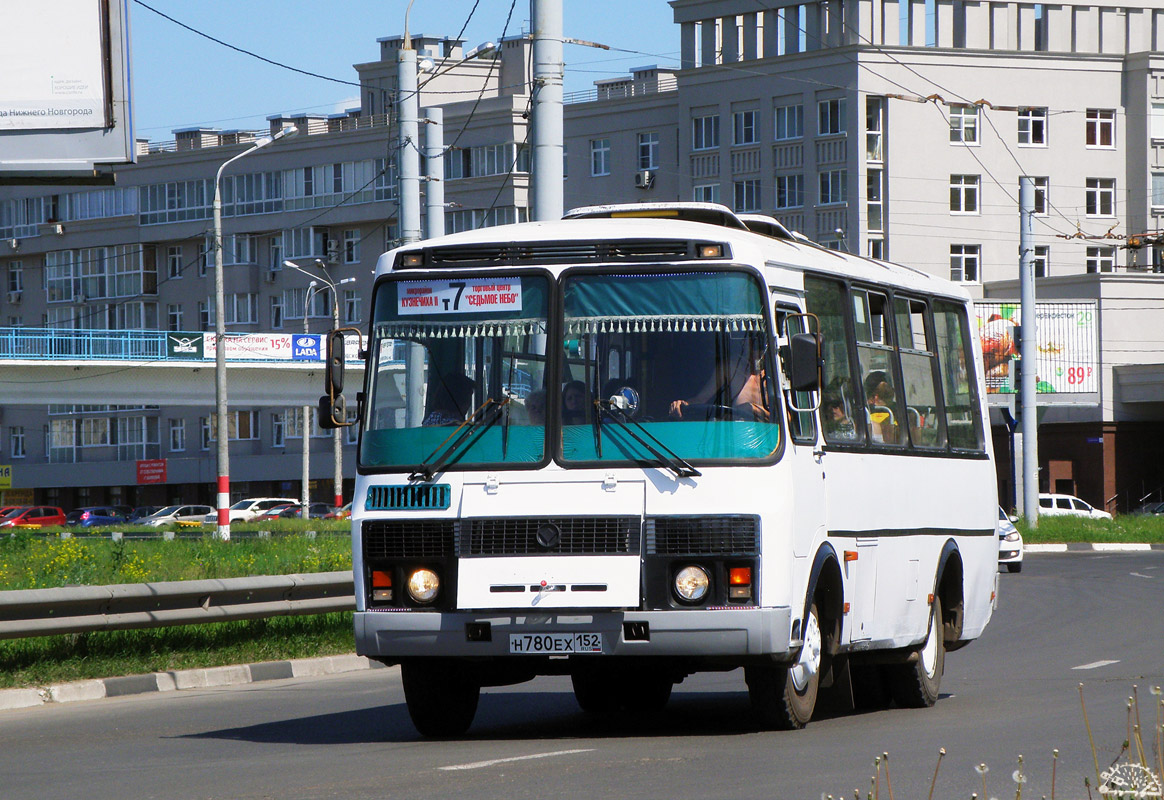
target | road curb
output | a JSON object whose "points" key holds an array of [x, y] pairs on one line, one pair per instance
{"points": [[1087, 547], [181, 680]]}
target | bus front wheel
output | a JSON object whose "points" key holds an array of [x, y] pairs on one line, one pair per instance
{"points": [[915, 684], [441, 696], [784, 697]]}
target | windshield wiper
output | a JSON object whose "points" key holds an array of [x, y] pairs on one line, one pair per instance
{"points": [[672, 460], [481, 419]]}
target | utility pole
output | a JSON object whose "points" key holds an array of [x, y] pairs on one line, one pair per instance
{"points": [[1028, 352], [547, 195], [434, 168], [408, 191]]}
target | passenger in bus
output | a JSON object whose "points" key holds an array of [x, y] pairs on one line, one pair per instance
{"points": [[450, 398], [742, 388], [535, 407], [880, 396], [574, 403], [834, 420]]}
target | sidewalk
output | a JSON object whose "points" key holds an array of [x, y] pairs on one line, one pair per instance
{"points": [[182, 679]]}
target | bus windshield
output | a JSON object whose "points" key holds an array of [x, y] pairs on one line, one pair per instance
{"points": [[663, 366], [456, 364]]}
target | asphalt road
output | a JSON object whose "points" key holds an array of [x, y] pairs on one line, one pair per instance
{"points": [[1066, 619]]}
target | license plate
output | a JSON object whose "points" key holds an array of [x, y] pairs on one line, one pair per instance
{"points": [[554, 643]]}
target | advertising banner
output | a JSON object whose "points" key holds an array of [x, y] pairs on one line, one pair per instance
{"points": [[5, 476], [151, 471], [1067, 345], [184, 345], [61, 85], [307, 347], [252, 346]]}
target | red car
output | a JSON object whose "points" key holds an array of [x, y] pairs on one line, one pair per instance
{"points": [[40, 516]]}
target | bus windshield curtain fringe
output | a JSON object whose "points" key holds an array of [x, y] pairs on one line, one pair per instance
{"points": [[460, 330], [665, 323]]}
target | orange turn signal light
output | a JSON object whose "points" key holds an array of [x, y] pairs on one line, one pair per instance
{"points": [[740, 576], [381, 579]]}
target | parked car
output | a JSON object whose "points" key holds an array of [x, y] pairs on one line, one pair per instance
{"points": [[1065, 505], [344, 512], [1010, 544], [246, 510], [6, 510], [285, 511], [171, 515], [1151, 508], [141, 512], [319, 510], [40, 516], [95, 516]]}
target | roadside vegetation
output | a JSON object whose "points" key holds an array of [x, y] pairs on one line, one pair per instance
{"points": [[1139, 528]]}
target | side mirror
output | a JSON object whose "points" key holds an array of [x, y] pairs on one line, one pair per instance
{"points": [[335, 363], [804, 369], [332, 409]]}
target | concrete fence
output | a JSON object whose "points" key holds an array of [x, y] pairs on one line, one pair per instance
{"points": [[48, 612]]}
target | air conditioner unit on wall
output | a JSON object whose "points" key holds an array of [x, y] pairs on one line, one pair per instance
{"points": [[15, 297], [644, 179], [332, 246]]}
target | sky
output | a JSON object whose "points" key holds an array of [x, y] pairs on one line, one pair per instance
{"points": [[182, 80]]}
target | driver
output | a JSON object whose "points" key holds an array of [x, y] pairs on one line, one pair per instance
{"points": [[740, 381]]}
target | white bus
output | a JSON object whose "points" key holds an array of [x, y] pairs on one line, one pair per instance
{"points": [[647, 441]]}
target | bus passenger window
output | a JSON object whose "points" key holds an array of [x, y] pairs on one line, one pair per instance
{"points": [[826, 299], [877, 358], [963, 417], [919, 373]]}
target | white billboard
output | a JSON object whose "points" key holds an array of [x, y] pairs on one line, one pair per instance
{"points": [[1067, 346]]}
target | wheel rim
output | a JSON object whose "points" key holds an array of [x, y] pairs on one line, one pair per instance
{"points": [[929, 651], [808, 664]]}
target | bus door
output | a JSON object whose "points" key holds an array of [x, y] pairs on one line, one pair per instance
{"points": [[805, 456]]}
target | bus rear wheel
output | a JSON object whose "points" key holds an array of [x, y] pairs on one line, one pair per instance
{"points": [[915, 684], [441, 696], [784, 697]]}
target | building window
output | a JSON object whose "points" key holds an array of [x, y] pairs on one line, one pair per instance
{"points": [[874, 204], [1032, 127], [877, 249], [745, 129], [177, 435], [351, 247], [834, 186], [275, 247], [1100, 127], [1100, 195], [599, 157], [1101, 259], [875, 129], [830, 117], [789, 122], [1041, 184], [705, 132], [351, 306], [1042, 259], [242, 309], [203, 315], [1156, 123], [241, 426], [706, 193], [276, 311], [964, 262], [747, 195], [964, 124], [174, 261], [1157, 190], [649, 150], [964, 194], [789, 191], [174, 317], [16, 441], [205, 256], [278, 434]]}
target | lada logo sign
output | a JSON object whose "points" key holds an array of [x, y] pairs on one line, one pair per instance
{"points": [[305, 341]]}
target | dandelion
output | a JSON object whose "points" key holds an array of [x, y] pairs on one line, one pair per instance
{"points": [[982, 769], [1019, 779], [934, 782], [888, 783], [1054, 764]]}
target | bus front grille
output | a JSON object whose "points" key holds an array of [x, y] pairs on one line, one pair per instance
{"points": [[551, 535], [410, 497], [422, 538], [710, 536]]}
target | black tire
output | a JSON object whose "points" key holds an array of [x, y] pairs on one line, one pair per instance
{"points": [[441, 695], [596, 690], [1018, 567], [784, 697], [915, 684]]}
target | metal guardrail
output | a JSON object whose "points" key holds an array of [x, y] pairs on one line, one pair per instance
{"points": [[49, 612]]}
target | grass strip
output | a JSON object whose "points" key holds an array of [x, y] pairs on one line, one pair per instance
{"points": [[1128, 528], [104, 654]]}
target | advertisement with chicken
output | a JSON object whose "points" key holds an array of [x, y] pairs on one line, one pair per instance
{"points": [[1067, 345]]}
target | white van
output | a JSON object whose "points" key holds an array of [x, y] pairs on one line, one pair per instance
{"points": [[1065, 505]]}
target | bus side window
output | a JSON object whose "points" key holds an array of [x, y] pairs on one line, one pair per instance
{"points": [[801, 424], [959, 385], [877, 358], [840, 402], [919, 373]]}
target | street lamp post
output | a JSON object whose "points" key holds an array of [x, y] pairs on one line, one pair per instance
{"points": [[221, 421], [304, 493], [337, 435]]}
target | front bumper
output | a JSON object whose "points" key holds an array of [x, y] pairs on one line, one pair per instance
{"points": [[746, 632]]}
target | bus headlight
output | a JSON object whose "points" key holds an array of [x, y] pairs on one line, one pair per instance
{"points": [[692, 583], [423, 585]]}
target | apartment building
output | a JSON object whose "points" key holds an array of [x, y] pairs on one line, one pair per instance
{"points": [[869, 125]]}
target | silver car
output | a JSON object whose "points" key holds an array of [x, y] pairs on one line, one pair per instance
{"points": [[171, 515]]}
